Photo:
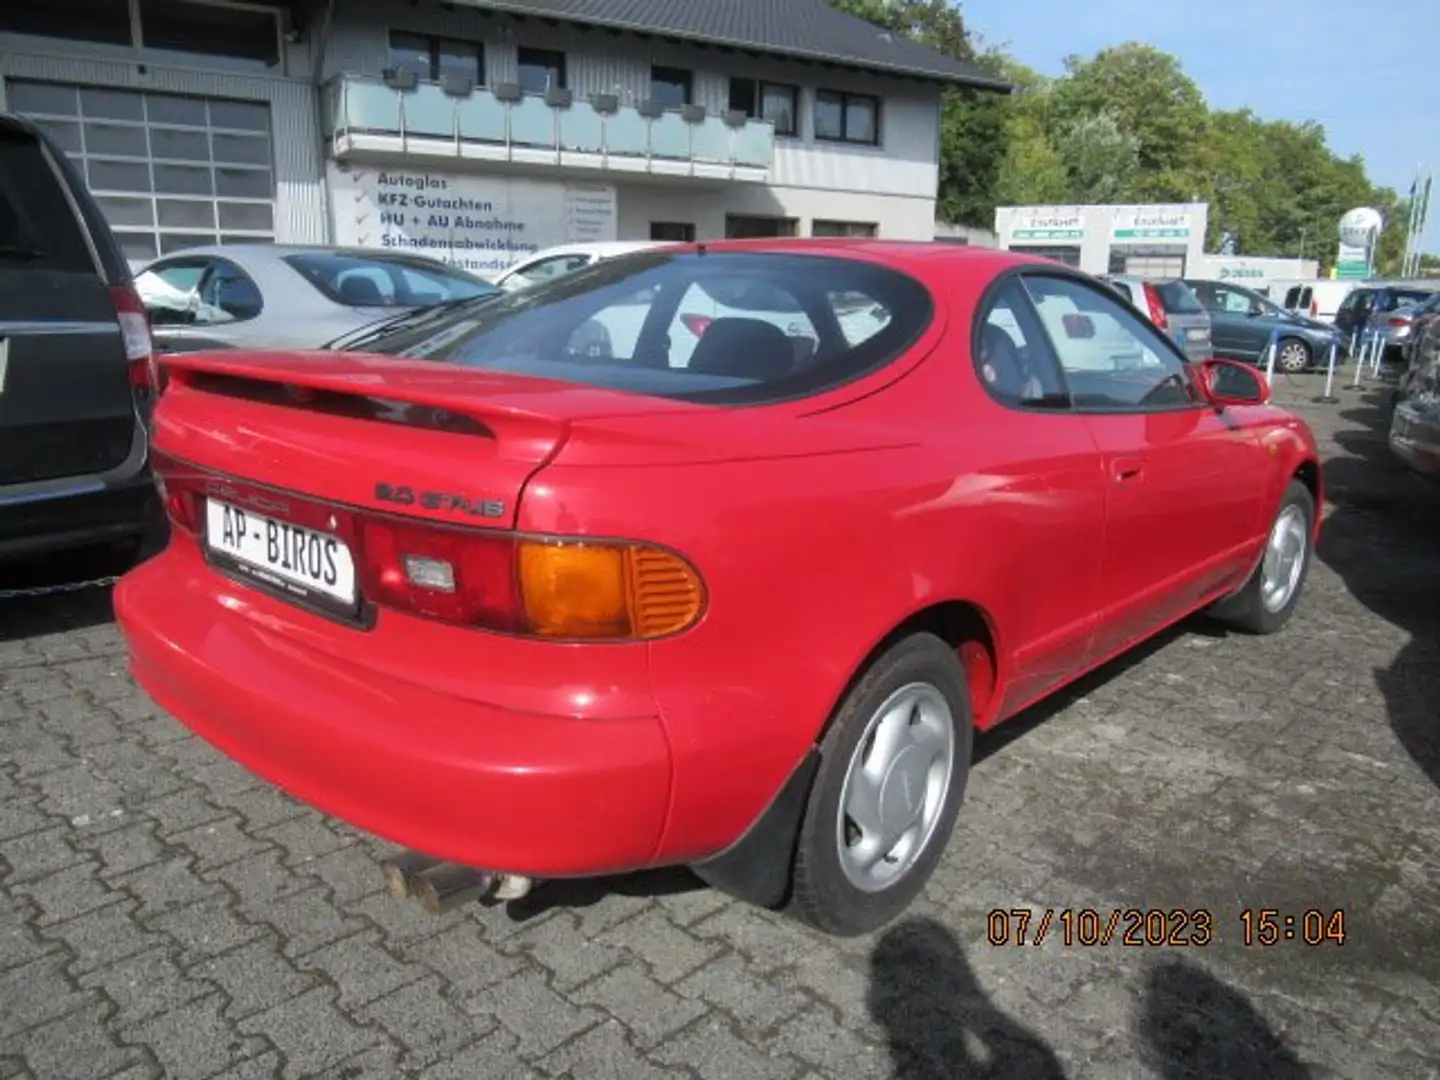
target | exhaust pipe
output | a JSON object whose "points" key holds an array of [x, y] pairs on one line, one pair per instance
{"points": [[447, 886], [401, 870]]}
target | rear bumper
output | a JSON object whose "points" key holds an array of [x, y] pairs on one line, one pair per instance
{"points": [[491, 787], [1415, 442], [40, 523]]}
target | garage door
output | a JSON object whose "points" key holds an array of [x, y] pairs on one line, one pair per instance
{"points": [[169, 171]]}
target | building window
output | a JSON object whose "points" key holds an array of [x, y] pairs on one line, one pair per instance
{"points": [[843, 228], [540, 70], [752, 227], [673, 232], [77, 20], [211, 30], [431, 57], [670, 86], [841, 117], [776, 102]]}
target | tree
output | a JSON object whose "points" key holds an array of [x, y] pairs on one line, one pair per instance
{"points": [[1153, 100], [1101, 158], [972, 142]]}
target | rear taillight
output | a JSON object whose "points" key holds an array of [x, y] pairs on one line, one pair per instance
{"points": [[1399, 320], [1155, 307], [135, 333], [697, 324], [533, 586], [1314, 309]]}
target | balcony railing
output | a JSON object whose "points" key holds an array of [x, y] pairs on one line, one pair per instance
{"points": [[504, 120]]}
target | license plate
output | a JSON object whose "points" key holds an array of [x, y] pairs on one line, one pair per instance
{"points": [[296, 560], [1199, 335]]}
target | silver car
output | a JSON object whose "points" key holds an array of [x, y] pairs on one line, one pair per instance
{"points": [[1173, 307], [266, 296]]}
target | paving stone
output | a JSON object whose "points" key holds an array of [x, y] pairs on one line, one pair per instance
{"points": [[216, 927]]}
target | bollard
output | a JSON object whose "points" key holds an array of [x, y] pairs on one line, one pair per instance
{"points": [[1270, 351], [1379, 353], [1328, 398], [1360, 357]]}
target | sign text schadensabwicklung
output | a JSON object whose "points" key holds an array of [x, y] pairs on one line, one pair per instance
{"points": [[480, 223]]}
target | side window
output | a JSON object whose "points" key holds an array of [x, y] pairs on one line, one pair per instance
{"points": [[548, 270], [1011, 355], [170, 291], [1112, 360], [228, 295], [1230, 300]]}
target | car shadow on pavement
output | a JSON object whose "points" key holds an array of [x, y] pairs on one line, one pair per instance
{"points": [[1383, 540], [939, 1024], [587, 892], [1191, 1026]]}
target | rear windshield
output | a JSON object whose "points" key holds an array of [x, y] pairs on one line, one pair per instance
{"points": [[1177, 298], [38, 229], [363, 280], [1394, 298], [718, 327]]}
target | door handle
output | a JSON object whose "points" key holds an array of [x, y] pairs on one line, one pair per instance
{"points": [[1126, 470]]}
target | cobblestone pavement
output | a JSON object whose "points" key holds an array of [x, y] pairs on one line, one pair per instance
{"points": [[162, 913]]}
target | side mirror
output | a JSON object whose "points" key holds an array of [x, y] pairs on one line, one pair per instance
{"points": [[1225, 382]]}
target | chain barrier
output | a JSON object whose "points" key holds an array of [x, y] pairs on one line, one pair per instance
{"points": [[62, 588]]}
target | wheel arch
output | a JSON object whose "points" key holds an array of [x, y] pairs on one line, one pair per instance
{"points": [[757, 866]]}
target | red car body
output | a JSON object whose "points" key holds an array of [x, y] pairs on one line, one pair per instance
{"points": [[1046, 542]]}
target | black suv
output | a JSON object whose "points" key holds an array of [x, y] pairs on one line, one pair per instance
{"points": [[76, 368]]}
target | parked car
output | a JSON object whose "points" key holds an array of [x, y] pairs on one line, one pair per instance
{"points": [[287, 296], [1372, 298], [1415, 416], [530, 623], [1242, 323], [75, 364], [1171, 306], [1422, 316], [1319, 299], [1392, 318], [553, 262]]}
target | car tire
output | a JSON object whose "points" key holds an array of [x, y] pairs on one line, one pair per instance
{"points": [[1262, 606], [1293, 356], [904, 733]]}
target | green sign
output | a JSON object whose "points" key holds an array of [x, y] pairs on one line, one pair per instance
{"points": [[1048, 234], [1350, 269], [1152, 234]]}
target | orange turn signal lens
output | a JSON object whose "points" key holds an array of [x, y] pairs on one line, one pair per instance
{"points": [[576, 589]]}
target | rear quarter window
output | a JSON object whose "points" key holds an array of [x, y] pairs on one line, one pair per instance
{"points": [[1178, 298], [38, 229], [718, 327]]}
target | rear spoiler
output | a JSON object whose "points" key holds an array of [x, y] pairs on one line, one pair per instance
{"points": [[362, 386]]}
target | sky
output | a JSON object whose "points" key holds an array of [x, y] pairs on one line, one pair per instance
{"points": [[1359, 67]]}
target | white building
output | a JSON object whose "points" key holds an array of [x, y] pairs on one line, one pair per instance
{"points": [[1146, 241], [479, 130]]}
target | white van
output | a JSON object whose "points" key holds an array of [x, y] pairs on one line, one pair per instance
{"points": [[1318, 298]]}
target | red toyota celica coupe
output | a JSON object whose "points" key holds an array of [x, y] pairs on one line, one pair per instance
{"points": [[543, 586]]}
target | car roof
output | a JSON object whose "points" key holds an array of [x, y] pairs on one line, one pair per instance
{"points": [[598, 247], [278, 251]]}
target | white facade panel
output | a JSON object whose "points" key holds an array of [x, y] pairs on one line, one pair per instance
{"points": [[300, 206]]}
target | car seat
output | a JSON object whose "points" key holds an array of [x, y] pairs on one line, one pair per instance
{"points": [[744, 349]]}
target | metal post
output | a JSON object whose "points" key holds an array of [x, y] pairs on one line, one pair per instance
{"points": [[1377, 351], [1270, 355], [1328, 398], [1360, 357]]}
